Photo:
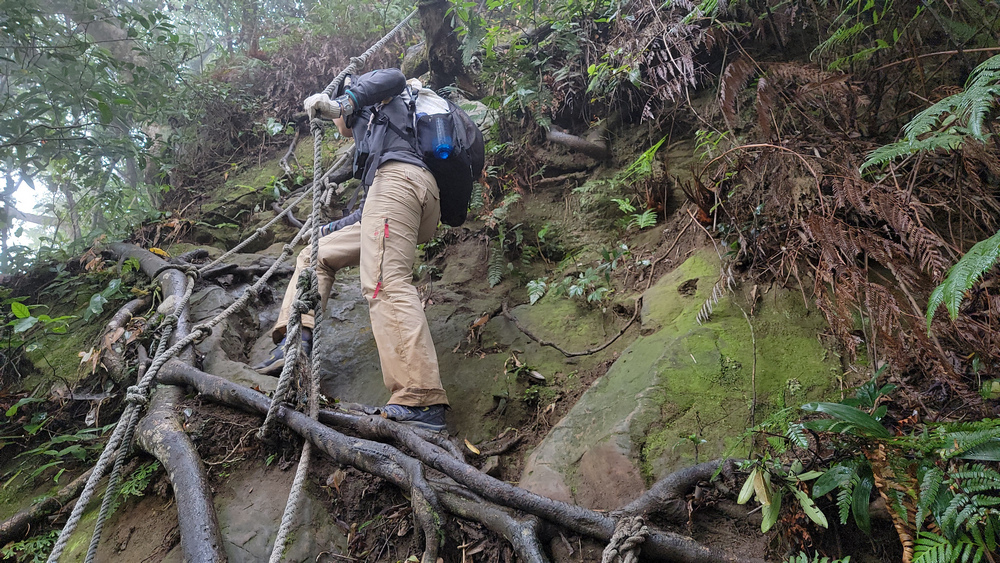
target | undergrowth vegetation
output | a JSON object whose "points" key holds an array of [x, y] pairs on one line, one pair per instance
{"points": [[862, 170]]}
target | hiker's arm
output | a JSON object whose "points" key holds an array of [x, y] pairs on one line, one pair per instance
{"points": [[375, 86], [335, 226], [343, 128]]}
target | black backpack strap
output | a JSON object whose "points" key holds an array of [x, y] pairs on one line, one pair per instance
{"points": [[354, 199]]}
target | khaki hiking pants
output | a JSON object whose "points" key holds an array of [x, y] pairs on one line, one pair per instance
{"points": [[401, 211]]}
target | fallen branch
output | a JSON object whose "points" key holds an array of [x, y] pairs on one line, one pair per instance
{"points": [[510, 316]]}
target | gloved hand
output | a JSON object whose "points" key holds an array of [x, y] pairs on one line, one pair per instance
{"points": [[321, 105], [325, 229]]}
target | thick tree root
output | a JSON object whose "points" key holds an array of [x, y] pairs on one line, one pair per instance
{"points": [[160, 433], [667, 496], [18, 525], [406, 472], [579, 144], [522, 535]]}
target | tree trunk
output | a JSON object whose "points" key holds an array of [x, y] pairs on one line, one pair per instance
{"points": [[444, 57]]}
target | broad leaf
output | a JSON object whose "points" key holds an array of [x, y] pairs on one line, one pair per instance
{"points": [[810, 508], [770, 512], [836, 476], [855, 417], [20, 310]]}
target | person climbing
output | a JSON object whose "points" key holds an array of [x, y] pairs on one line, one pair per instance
{"points": [[401, 210]]}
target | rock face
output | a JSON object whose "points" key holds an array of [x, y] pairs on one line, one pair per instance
{"points": [[681, 393]]}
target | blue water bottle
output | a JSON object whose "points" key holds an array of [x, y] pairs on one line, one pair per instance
{"points": [[442, 139]]}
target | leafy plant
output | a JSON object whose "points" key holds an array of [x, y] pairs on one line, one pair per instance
{"points": [[31, 550], [136, 484], [951, 122], [768, 482], [536, 290], [963, 275]]}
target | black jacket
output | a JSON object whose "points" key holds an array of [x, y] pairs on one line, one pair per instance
{"points": [[376, 94]]}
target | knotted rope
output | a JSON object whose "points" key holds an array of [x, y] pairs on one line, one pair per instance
{"points": [[624, 545], [138, 396], [293, 343]]}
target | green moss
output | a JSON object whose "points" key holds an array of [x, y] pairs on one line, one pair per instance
{"points": [[693, 385]]}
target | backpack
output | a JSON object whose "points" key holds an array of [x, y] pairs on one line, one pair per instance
{"points": [[441, 125]]}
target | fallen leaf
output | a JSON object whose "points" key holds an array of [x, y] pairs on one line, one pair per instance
{"points": [[480, 321], [336, 478], [472, 448]]}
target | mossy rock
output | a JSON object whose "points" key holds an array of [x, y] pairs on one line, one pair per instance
{"points": [[685, 388]]}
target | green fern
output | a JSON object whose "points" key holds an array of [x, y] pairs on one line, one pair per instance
{"points": [[963, 275], [932, 548], [495, 270], [950, 122], [930, 487]]}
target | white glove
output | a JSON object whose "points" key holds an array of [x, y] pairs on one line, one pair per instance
{"points": [[321, 104]]}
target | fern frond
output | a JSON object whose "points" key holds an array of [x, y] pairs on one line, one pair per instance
{"points": [[892, 151], [719, 290], [844, 497], [494, 272], [733, 80], [950, 121], [929, 488], [932, 548], [981, 444], [963, 275]]}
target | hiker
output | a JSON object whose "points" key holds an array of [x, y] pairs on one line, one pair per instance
{"points": [[401, 210]]}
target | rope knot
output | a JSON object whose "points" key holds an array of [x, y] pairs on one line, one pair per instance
{"points": [[135, 395], [358, 61], [629, 534], [261, 231], [301, 307], [204, 331]]}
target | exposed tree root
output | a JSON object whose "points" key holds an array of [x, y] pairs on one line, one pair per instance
{"points": [[522, 534], [18, 525], [406, 472], [579, 144], [291, 219], [160, 433], [162, 436], [112, 357], [667, 496]]}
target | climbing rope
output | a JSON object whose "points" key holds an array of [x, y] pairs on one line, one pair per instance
{"points": [[138, 396], [119, 443], [316, 127], [628, 537]]}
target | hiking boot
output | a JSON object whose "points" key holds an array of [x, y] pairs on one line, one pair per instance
{"points": [[429, 418], [276, 361]]}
